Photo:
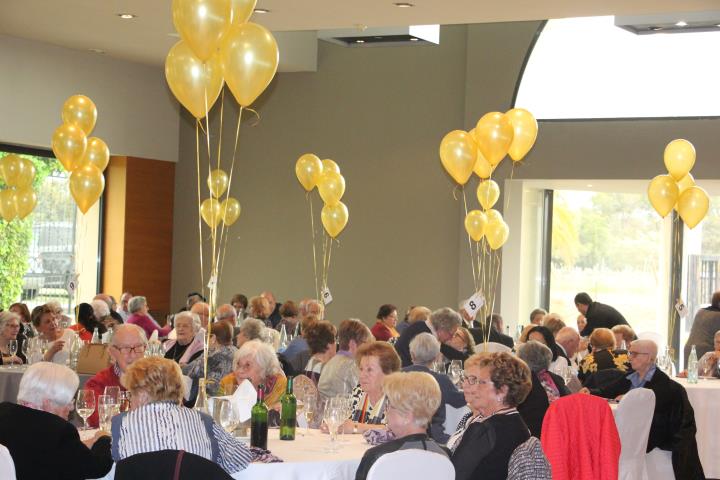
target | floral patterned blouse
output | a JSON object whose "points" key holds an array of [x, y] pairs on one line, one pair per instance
{"points": [[603, 360]]}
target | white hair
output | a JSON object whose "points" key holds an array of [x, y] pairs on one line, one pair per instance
{"points": [[136, 303], [48, 381], [131, 327], [424, 348], [100, 309], [194, 318], [6, 317], [262, 354]]}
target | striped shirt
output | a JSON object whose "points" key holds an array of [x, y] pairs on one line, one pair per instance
{"points": [[167, 426]]}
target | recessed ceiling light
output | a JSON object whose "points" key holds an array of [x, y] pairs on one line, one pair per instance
{"points": [[654, 29], [413, 39], [403, 4], [359, 41], [681, 23], [589, 185], [97, 50], [261, 10], [126, 16], [717, 25]]}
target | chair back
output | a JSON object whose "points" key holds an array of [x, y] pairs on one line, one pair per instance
{"points": [[168, 465], [659, 464], [659, 339], [492, 347], [7, 466], [412, 463], [528, 462], [452, 417], [633, 418]]}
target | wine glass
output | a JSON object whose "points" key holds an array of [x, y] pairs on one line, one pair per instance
{"points": [[25, 349], [229, 416], [333, 419], [12, 348], [310, 409], [125, 401], [114, 393], [455, 371], [106, 410], [85, 405]]}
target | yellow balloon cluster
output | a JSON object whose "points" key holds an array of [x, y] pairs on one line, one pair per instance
{"points": [[482, 149], [218, 45], [85, 158], [19, 199], [677, 189], [325, 174], [213, 210]]}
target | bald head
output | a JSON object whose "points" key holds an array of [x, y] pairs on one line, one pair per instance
{"points": [[105, 298], [646, 346], [202, 310], [569, 338], [226, 312]]}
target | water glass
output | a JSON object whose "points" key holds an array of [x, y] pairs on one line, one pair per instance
{"points": [[85, 405], [228, 415], [333, 419], [124, 401], [106, 410], [310, 401], [455, 371], [12, 348]]}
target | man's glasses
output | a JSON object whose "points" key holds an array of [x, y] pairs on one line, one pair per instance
{"points": [[635, 354], [128, 350]]}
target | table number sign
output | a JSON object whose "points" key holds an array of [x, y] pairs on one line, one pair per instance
{"points": [[473, 304], [681, 308], [326, 296]]}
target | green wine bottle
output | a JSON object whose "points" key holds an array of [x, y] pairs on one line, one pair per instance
{"points": [[259, 421], [288, 405]]}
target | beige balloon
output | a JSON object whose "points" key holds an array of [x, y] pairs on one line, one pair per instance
{"points": [[25, 201], [8, 210], [86, 185], [230, 211], [334, 218], [475, 223], [497, 233], [488, 193], [210, 212], [663, 194], [693, 205]]}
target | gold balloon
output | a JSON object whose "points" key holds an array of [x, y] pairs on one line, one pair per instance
{"points": [[241, 10], [97, 153], [475, 223], [86, 185], [684, 183], [331, 186], [525, 130], [482, 167], [488, 193], [211, 212], [80, 111], [10, 167], [230, 211], [663, 194], [679, 158], [458, 154], [494, 216], [249, 58], [217, 182], [8, 209], [191, 80], [330, 165], [693, 205], [334, 218], [68, 144], [26, 175], [25, 201], [308, 169], [494, 133], [496, 233], [202, 24]]}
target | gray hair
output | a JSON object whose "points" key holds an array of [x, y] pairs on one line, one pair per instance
{"points": [[129, 327], [535, 354], [445, 319], [717, 334], [100, 309], [252, 329], [6, 317], [136, 303], [225, 311], [424, 349], [262, 353], [193, 317], [48, 381]]}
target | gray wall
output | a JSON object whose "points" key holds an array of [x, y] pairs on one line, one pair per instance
{"points": [[381, 113]]}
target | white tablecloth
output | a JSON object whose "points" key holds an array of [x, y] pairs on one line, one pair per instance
{"points": [[704, 397]]}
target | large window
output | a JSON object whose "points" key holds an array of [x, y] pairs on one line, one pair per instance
{"points": [[589, 68]]}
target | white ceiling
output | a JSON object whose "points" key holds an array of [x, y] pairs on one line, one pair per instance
{"points": [[93, 24]]}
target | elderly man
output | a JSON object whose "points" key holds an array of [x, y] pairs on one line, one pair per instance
{"points": [[414, 314], [127, 345], [273, 313], [340, 374], [673, 424], [443, 323], [597, 315], [568, 339], [123, 310], [228, 313], [111, 304], [493, 323], [424, 350], [192, 299], [42, 443]]}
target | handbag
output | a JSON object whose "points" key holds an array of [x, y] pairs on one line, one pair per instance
{"points": [[92, 358]]}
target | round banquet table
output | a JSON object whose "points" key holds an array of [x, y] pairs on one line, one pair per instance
{"points": [[10, 381], [704, 397]]}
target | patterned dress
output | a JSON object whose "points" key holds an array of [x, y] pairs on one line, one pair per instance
{"points": [[603, 360]]}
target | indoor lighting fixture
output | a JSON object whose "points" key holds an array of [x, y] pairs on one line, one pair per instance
{"points": [[261, 10], [359, 41], [681, 23], [403, 4], [99, 51], [413, 39], [126, 16]]}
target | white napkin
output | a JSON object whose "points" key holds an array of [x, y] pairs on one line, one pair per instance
{"points": [[244, 399]]}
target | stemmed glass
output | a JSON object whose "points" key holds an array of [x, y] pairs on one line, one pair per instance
{"points": [[12, 347], [85, 405], [310, 401], [26, 349], [455, 371], [333, 418], [114, 393], [229, 416], [124, 401], [106, 410]]}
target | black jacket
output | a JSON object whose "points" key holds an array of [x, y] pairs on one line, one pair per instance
{"points": [[533, 409], [44, 446], [495, 336], [599, 315], [402, 346], [416, 441]]}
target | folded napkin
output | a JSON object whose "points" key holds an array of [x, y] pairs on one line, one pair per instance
{"points": [[260, 455]]}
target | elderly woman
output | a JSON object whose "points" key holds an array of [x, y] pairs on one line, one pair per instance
{"points": [[45, 320], [139, 316], [220, 358], [186, 347], [546, 386], [320, 337], [494, 385], [43, 444], [87, 323], [412, 399], [22, 310], [256, 361], [384, 328], [157, 421], [260, 308], [545, 336], [624, 336], [102, 314], [250, 329], [462, 341], [603, 356], [9, 329], [424, 350]]}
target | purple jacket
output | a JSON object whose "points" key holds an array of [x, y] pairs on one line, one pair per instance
{"points": [[147, 324]]}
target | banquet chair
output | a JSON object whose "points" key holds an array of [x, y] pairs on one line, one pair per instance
{"points": [[659, 339], [168, 465], [7, 466], [528, 461], [412, 463], [452, 417], [659, 465], [492, 347], [633, 418]]}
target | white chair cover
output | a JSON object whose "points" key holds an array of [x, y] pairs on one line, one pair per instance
{"points": [[412, 463], [452, 417], [187, 385], [633, 417], [492, 347], [7, 466], [659, 465], [659, 339]]}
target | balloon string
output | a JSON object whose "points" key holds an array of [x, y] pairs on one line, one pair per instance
{"points": [[312, 228], [257, 116], [230, 179], [472, 265], [322, 270], [327, 268], [222, 108], [198, 125], [507, 197]]}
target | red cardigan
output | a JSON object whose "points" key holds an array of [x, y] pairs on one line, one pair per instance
{"points": [[102, 379], [381, 332]]}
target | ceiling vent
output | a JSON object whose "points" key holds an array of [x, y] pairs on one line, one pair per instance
{"points": [[679, 22], [383, 36]]}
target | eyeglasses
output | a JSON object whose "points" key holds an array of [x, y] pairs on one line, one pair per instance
{"points": [[128, 350], [635, 354], [473, 380]]}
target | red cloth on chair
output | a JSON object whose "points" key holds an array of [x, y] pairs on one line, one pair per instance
{"points": [[580, 439]]}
